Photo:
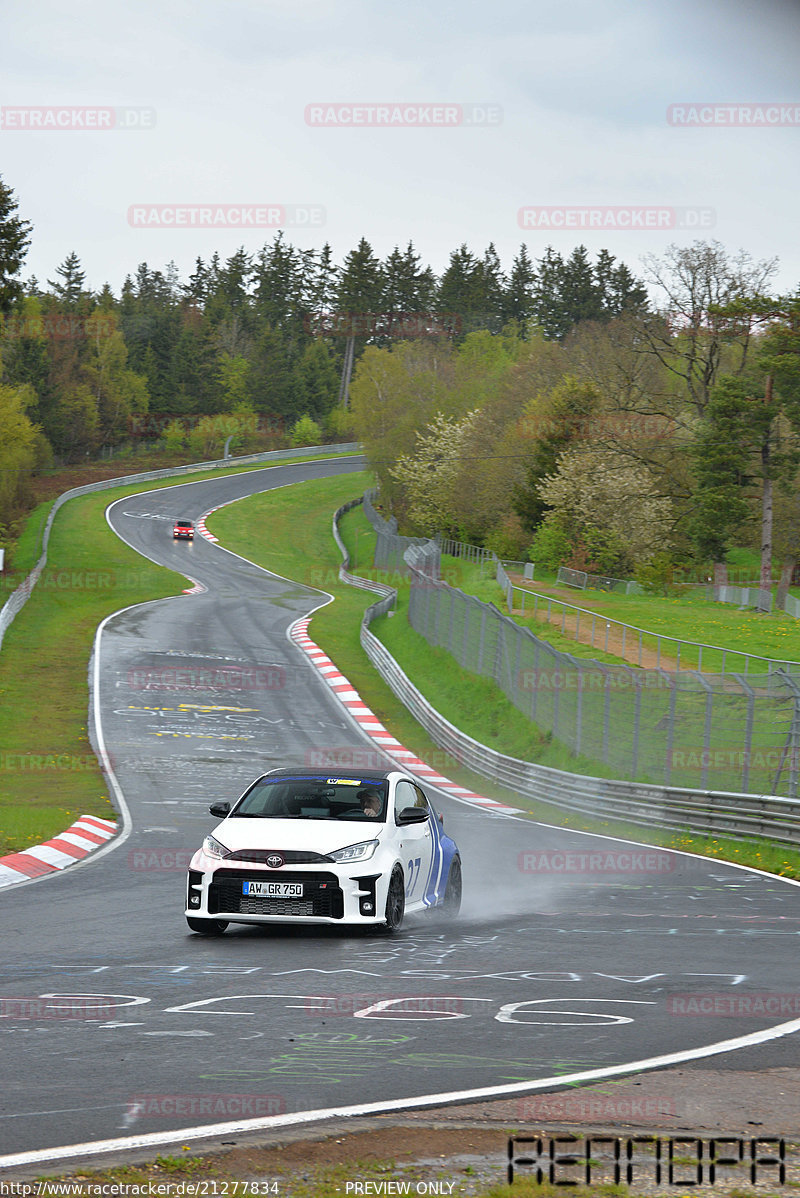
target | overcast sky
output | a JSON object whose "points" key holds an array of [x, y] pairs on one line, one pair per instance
{"points": [[575, 99]]}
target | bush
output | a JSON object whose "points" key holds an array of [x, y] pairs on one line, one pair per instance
{"points": [[305, 432], [173, 436], [509, 540], [656, 576], [338, 425], [551, 544]]}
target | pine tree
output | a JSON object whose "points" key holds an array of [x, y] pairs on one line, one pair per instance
{"points": [[14, 242], [518, 301], [359, 295], [70, 289]]}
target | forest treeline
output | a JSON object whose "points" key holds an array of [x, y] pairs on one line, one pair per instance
{"points": [[561, 408]]}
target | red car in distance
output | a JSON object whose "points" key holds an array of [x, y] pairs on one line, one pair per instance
{"points": [[183, 530]]}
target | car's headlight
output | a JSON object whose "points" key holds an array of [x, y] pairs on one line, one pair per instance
{"points": [[355, 852], [213, 848]]}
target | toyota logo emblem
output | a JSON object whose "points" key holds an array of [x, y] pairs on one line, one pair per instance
{"points": [[275, 861]]}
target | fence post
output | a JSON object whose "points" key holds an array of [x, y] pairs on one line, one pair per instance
{"points": [[794, 733], [637, 719], [748, 728], [706, 724], [482, 639], [606, 711], [673, 699], [579, 708]]}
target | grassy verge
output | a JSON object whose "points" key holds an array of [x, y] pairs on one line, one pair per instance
{"points": [[686, 617], [48, 773], [289, 532]]}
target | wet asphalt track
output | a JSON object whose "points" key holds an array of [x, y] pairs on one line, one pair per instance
{"points": [[543, 975]]}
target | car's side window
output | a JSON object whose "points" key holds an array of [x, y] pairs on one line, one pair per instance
{"points": [[420, 800], [405, 795]]}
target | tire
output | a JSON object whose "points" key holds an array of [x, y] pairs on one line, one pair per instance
{"points": [[451, 903], [395, 901], [206, 927]]}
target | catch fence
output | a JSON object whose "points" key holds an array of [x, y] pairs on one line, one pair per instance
{"points": [[733, 731]]}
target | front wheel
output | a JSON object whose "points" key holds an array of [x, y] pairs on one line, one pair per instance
{"points": [[451, 903], [206, 927], [395, 902]]}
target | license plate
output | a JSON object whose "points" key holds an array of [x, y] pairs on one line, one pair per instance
{"points": [[273, 889]]}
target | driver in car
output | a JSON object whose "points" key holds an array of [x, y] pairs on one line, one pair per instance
{"points": [[370, 801]]}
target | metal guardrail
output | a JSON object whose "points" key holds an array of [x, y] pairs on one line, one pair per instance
{"points": [[740, 815], [20, 596]]}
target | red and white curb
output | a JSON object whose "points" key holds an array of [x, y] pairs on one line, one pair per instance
{"points": [[371, 725], [200, 526], [81, 838]]}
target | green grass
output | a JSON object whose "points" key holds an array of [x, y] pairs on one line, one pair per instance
{"points": [[48, 773], [297, 524], [685, 617]]}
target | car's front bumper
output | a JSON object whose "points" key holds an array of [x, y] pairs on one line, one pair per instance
{"points": [[331, 895]]}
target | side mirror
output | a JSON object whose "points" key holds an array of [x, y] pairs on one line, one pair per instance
{"points": [[412, 815], [220, 810]]}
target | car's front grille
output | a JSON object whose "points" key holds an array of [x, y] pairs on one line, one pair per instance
{"points": [[322, 894], [290, 856], [272, 906]]}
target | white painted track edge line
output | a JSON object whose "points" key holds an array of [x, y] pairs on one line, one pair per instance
{"points": [[399, 1105], [118, 838]]}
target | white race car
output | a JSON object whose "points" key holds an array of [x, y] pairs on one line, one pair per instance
{"points": [[311, 846]]}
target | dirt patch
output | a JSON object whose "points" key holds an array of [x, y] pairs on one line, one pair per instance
{"points": [[608, 636]]}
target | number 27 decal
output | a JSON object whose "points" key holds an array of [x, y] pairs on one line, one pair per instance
{"points": [[413, 874]]}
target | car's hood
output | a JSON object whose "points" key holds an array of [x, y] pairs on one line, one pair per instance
{"points": [[315, 835]]}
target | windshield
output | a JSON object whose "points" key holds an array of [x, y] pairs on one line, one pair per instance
{"points": [[310, 797]]}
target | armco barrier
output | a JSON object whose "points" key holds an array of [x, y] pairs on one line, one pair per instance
{"points": [[739, 815], [20, 596]]}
